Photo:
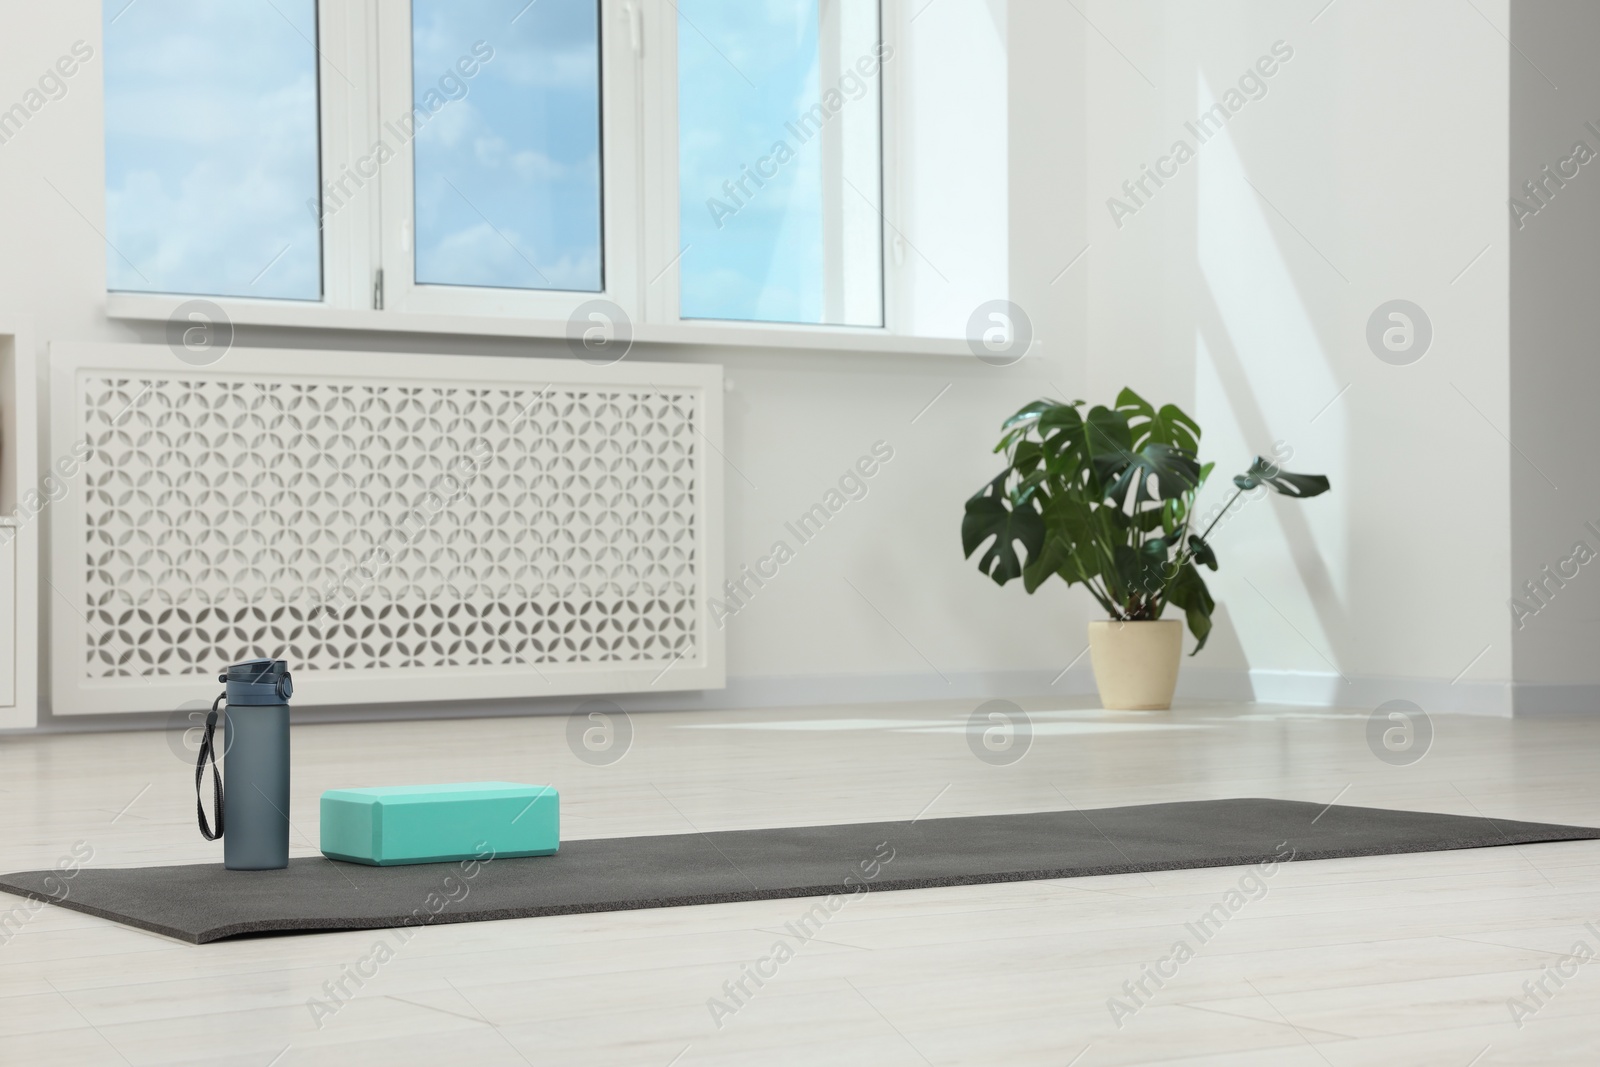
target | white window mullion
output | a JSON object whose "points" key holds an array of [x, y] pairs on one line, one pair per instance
{"points": [[623, 48], [892, 87], [663, 255], [396, 223], [852, 178], [350, 198]]}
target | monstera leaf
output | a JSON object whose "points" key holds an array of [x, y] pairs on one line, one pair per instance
{"points": [[1070, 546], [1047, 419], [1163, 445], [1169, 426], [1062, 558], [1107, 441], [1175, 472], [1069, 442], [1188, 591], [991, 513], [1263, 472], [1153, 564], [1056, 554]]}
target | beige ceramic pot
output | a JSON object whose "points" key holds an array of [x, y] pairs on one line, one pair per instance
{"points": [[1136, 663]]}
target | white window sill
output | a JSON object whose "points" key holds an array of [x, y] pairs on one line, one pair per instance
{"points": [[151, 307]]}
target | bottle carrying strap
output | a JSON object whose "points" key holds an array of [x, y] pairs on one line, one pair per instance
{"points": [[208, 748]]}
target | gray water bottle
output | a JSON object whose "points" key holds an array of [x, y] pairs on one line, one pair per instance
{"points": [[255, 766]]}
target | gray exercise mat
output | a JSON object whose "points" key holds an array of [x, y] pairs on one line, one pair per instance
{"points": [[204, 902]]}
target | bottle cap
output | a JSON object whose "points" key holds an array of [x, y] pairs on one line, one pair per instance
{"points": [[258, 681]]}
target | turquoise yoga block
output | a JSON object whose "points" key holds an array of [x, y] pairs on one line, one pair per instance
{"points": [[394, 824]]}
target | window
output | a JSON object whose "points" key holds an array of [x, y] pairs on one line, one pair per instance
{"points": [[706, 170]]}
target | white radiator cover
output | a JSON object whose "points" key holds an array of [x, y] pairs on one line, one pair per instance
{"points": [[398, 527]]}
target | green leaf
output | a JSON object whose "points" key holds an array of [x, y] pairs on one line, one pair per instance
{"points": [[1029, 486], [1169, 426], [1139, 572], [1056, 554], [1149, 520], [1154, 566], [992, 514], [1061, 433], [1105, 442], [1134, 407], [1065, 522], [1264, 472], [1073, 445], [1027, 456], [1202, 551], [1189, 592], [1176, 472], [1123, 575], [1039, 409], [1058, 415], [1041, 417]]}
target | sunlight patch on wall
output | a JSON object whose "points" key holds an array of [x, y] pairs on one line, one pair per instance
{"points": [[1258, 352]]}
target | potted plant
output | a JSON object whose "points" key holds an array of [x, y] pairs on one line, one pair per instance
{"points": [[1105, 500]]}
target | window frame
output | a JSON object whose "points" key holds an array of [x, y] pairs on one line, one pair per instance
{"points": [[365, 72]]}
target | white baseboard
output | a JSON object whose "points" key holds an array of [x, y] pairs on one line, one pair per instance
{"points": [[1305, 688], [1313, 689], [1329, 690]]}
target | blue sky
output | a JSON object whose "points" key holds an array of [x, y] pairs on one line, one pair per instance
{"points": [[211, 147], [508, 176], [746, 67]]}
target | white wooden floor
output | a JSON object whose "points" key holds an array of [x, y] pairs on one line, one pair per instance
{"points": [[1393, 960]]}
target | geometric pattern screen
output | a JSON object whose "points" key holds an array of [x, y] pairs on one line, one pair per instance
{"points": [[359, 526]]}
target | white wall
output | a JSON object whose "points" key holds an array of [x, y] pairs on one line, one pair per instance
{"points": [[1379, 152], [1373, 168]]}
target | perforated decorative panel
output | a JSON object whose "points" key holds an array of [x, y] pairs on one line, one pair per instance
{"points": [[402, 538]]}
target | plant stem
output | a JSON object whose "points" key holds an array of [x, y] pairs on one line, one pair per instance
{"points": [[1184, 542], [1183, 546], [1236, 495], [1104, 598]]}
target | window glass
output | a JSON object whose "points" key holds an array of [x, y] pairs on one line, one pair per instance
{"points": [[507, 110], [780, 160], [212, 147]]}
